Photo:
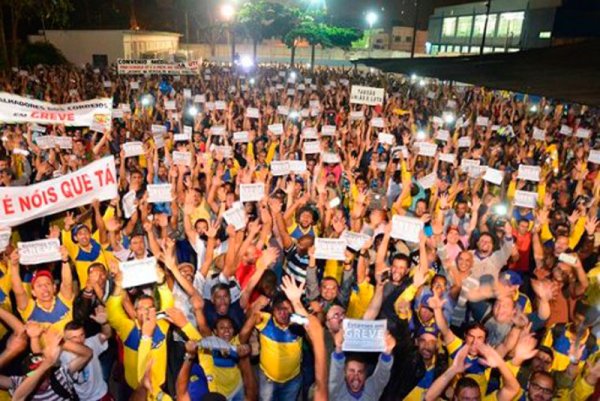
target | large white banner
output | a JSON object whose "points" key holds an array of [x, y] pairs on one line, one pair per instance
{"points": [[157, 67], [97, 180], [366, 95], [17, 109]]}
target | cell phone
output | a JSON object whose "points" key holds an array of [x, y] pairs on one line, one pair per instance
{"points": [[385, 276], [298, 319], [161, 315]]}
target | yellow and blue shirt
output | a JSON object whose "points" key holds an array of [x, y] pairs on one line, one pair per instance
{"points": [[559, 338], [296, 232], [477, 371], [222, 371], [82, 258], [280, 350], [56, 317]]}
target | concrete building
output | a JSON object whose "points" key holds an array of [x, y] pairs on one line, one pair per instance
{"points": [[103, 47], [512, 25], [402, 37]]}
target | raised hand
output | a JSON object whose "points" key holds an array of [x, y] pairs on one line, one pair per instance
{"points": [[292, 291], [100, 315]]}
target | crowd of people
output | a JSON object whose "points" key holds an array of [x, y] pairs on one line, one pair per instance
{"points": [[496, 300]]}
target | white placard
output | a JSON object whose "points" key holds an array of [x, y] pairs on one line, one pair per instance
{"points": [[583, 133], [41, 251], [45, 142], [328, 130], [125, 107], [159, 140], [386, 138], [426, 149], [182, 158], [447, 157], [442, 135], [218, 130], [406, 228], [200, 99], [354, 241], [330, 158], [525, 199], [377, 122], [170, 105], [134, 85], [451, 104], [252, 112], [311, 147], [128, 203], [330, 248], [428, 181], [117, 113], [252, 192], [310, 133], [220, 105], [529, 173], [159, 193], [225, 150], [283, 110], [107, 84], [280, 167], [236, 217], [357, 115], [566, 130], [482, 121], [158, 129], [476, 171], [133, 148], [539, 134], [467, 164], [188, 130], [364, 335], [210, 106], [138, 272], [366, 95], [464, 142], [297, 166], [494, 176], [594, 156], [63, 142], [439, 121], [399, 149], [241, 137], [187, 93], [5, 234], [276, 129]]}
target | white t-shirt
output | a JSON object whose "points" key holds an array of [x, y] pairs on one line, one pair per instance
{"points": [[89, 383]]}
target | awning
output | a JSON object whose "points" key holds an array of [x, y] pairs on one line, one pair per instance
{"points": [[568, 73]]}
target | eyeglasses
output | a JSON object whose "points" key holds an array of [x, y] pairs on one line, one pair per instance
{"points": [[337, 315], [536, 387]]}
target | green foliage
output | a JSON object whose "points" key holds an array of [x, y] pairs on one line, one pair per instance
{"points": [[33, 54], [262, 19], [322, 34]]}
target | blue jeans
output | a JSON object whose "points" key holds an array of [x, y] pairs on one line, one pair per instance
{"points": [[238, 396], [272, 391]]}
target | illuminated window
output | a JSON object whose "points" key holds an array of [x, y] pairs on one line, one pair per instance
{"points": [[463, 28], [545, 35], [510, 24], [449, 26], [480, 26]]}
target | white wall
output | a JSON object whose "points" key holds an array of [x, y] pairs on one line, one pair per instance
{"points": [[137, 43]]}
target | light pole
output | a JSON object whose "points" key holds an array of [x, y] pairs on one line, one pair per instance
{"points": [[228, 14], [488, 4], [371, 20]]}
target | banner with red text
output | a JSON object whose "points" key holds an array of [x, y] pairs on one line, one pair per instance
{"points": [[18, 109], [97, 180]]}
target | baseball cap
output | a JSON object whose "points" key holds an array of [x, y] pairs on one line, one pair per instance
{"points": [[433, 330], [41, 273], [76, 229], [425, 300], [511, 277]]}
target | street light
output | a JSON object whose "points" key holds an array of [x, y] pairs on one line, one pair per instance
{"points": [[371, 20], [228, 14]]}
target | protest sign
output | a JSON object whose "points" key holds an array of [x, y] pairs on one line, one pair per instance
{"points": [[493, 175], [529, 173], [97, 180], [482, 121], [159, 140], [218, 130], [297, 166], [328, 130], [330, 249], [426, 149], [117, 113], [398, 151], [357, 115], [252, 192], [377, 122], [464, 142], [280, 167], [220, 105], [252, 112], [5, 234], [187, 130], [17, 109], [566, 130], [170, 105], [354, 241], [439, 121], [385, 138], [310, 133], [406, 228], [200, 99], [469, 164], [330, 158], [583, 133], [442, 135], [138, 272], [225, 150], [241, 137], [364, 335], [182, 158], [283, 110], [236, 217], [312, 147], [428, 181], [366, 95], [276, 129], [594, 156], [133, 148], [539, 134], [128, 203], [158, 129], [134, 85], [525, 199], [187, 93], [159, 193], [41, 251], [156, 67]]}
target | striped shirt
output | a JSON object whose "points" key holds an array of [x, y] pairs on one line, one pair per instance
{"points": [[296, 264], [44, 391]]}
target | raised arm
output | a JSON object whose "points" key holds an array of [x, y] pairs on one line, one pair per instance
{"points": [[66, 285], [17, 284]]}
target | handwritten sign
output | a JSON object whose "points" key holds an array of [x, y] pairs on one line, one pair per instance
{"points": [[133, 148], [138, 272], [427, 149], [482, 121], [182, 158], [447, 157], [377, 122], [128, 203], [357, 115], [159, 140], [309, 133], [276, 129], [583, 133], [297, 166], [428, 181], [252, 112], [218, 130], [328, 130], [385, 138], [283, 110], [158, 129], [442, 135], [241, 137], [330, 248], [200, 99], [5, 234], [494, 176], [529, 173], [366, 95], [355, 241], [280, 167], [464, 142], [539, 134], [330, 158], [525, 199], [159, 193], [311, 147], [364, 335], [406, 228], [594, 156], [566, 130], [41, 251], [220, 105], [252, 192], [235, 216], [170, 105]]}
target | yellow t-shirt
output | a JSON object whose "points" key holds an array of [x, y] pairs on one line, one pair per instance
{"points": [[222, 371], [56, 317], [360, 297]]}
